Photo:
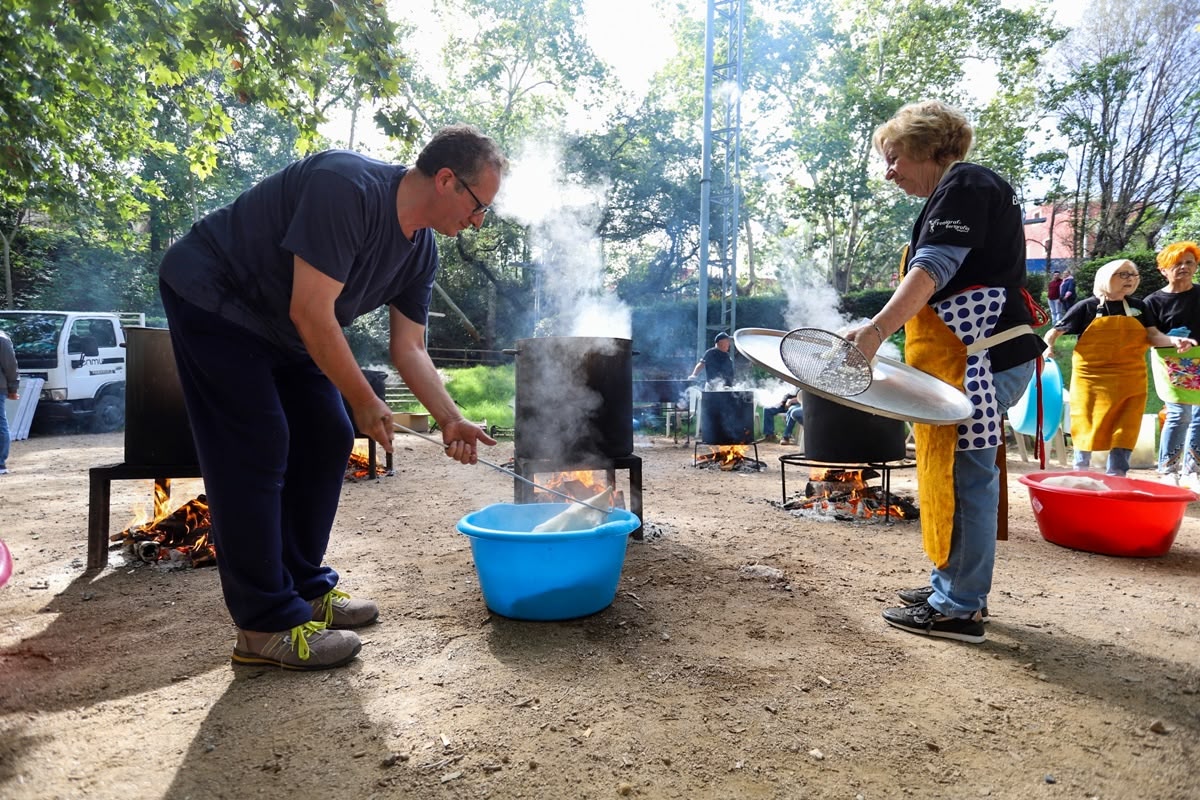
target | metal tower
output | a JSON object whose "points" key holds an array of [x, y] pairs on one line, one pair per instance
{"points": [[720, 179]]}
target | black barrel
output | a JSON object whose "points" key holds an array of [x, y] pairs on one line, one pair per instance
{"points": [[574, 398], [838, 434], [727, 417], [156, 424]]}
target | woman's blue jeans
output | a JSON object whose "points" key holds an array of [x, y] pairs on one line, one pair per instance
{"points": [[961, 587], [1179, 445], [1118, 461]]}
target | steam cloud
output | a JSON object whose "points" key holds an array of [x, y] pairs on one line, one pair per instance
{"points": [[562, 216]]}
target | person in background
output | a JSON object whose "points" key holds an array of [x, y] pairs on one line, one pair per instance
{"points": [[1108, 365], [967, 320], [257, 294], [1066, 293], [795, 416], [789, 405], [1177, 375], [1054, 296], [716, 363], [8, 373]]}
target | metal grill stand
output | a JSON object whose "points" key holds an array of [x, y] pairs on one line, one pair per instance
{"points": [[884, 468], [529, 467]]}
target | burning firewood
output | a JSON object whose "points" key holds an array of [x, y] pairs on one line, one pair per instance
{"points": [[186, 532], [359, 468], [845, 494]]}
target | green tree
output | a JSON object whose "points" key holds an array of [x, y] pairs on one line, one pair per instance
{"points": [[1130, 109], [835, 75], [81, 85]]}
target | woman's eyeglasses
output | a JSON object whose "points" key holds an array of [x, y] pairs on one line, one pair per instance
{"points": [[1125, 276]]}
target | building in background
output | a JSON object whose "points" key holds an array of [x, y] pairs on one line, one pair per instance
{"points": [[1048, 238]]}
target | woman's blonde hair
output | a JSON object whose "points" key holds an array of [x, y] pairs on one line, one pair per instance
{"points": [[1103, 287], [929, 129], [1173, 252]]}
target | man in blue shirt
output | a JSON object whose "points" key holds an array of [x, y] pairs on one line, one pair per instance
{"points": [[257, 294]]}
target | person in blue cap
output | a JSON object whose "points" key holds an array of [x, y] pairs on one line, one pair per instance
{"points": [[716, 363]]}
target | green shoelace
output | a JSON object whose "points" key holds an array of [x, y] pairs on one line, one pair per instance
{"points": [[327, 603], [299, 637]]}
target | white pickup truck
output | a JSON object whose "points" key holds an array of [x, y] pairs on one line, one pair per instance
{"points": [[81, 357]]}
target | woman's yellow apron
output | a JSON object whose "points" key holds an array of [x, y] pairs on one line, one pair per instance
{"points": [[1108, 384], [932, 346]]}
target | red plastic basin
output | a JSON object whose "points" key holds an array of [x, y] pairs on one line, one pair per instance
{"points": [[1136, 518]]}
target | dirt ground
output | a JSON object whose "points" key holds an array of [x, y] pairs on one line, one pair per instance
{"points": [[698, 682]]}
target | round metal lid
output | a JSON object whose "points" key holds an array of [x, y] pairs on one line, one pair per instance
{"points": [[897, 390]]}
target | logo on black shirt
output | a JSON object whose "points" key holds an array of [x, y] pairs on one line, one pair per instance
{"points": [[956, 225]]}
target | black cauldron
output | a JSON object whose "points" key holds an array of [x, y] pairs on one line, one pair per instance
{"points": [[838, 434], [574, 398]]}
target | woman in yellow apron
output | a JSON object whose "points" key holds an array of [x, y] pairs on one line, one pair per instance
{"points": [[1177, 375], [1108, 367], [967, 321]]}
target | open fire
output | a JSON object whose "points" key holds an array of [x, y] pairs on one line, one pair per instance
{"points": [[580, 484], [728, 458], [845, 493], [358, 468], [183, 535]]}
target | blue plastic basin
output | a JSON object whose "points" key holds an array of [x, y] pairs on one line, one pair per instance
{"points": [[546, 576], [1023, 415]]}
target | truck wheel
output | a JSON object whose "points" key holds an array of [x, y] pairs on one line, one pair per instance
{"points": [[108, 414]]}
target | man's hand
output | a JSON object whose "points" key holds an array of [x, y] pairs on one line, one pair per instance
{"points": [[374, 419], [460, 438]]}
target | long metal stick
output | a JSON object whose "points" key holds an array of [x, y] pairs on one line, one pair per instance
{"points": [[508, 472]]}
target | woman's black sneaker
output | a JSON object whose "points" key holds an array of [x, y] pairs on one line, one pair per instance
{"points": [[924, 619], [914, 597]]}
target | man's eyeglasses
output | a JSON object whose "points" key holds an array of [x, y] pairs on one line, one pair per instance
{"points": [[1126, 275], [481, 208]]}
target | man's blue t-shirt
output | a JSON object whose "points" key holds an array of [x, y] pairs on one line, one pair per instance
{"points": [[337, 211]]}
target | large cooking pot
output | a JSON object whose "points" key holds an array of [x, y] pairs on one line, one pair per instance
{"points": [[727, 417], [156, 424], [574, 398], [838, 434], [897, 390]]}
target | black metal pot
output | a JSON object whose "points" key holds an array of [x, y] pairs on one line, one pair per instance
{"points": [[838, 434], [574, 398], [727, 417], [156, 424]]}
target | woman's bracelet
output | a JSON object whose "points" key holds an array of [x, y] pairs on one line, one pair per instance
{"points": [[878, 332]]}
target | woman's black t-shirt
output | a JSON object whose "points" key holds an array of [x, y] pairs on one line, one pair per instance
{"points": [[975, 208]]}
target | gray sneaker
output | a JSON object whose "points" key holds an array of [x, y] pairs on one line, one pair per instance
{"points": [[912, 597], [339, 611], [310, 646]]}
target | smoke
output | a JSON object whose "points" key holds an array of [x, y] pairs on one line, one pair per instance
{"points": [[563, 215], [813, 303], [561, 374]]}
